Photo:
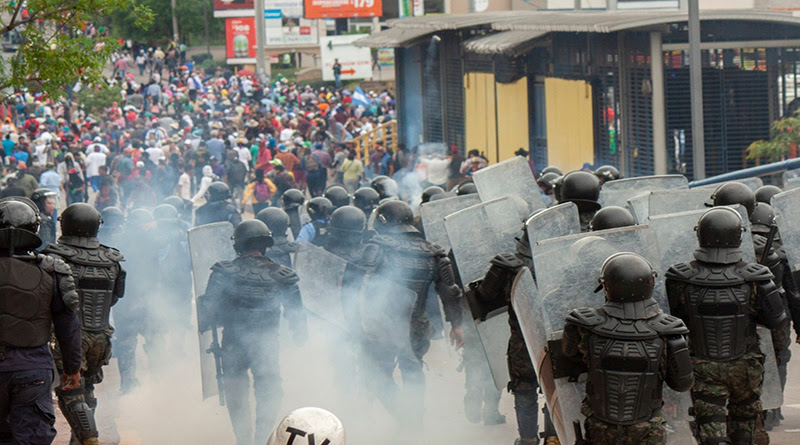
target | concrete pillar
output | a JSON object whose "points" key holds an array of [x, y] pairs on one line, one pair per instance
{"points": [[658, 105]]}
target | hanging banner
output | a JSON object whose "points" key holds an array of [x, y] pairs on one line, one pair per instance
{"points": [[240, 40], [342, 9]]}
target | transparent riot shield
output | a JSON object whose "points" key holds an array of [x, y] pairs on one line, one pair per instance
{"points": [[661, 202], [788, 174], [752, 183], [791, 183], [208, 245], [787, 216], [771, 393], [560, 220], [433, 213], [321, 276], [386, 311], [510, 177], [647, 183], [477, 234]]}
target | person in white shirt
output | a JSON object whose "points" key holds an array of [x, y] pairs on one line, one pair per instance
{"points": [[244, 153], [94, 161], [286, 134], [98, 142], [156, 153], [199, 198], [184, 187]]}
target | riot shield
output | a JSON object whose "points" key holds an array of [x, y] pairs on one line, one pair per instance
{"points": [[386, 310], [791, 183], [208, 245], [560, 220], [433, 213], [647, 183], [321, 276], [512, 177], [788, 174], [752, 183], [661, 202], [771, 393], [787, 215]]}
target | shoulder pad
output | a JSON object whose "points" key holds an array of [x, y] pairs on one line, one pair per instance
{"points": [[586, 317], [291, 247], [226, 267], [52, 264], [756, 272], [112, 254], [371, 255], [435, 249], [681, 272], [666, 324], [508, 261], [285, 275], [61, 250], [387, 241]]}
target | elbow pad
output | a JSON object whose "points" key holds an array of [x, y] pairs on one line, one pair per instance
{"points": [[570, 340], [773, 312], [680, 375], [119, 284]]}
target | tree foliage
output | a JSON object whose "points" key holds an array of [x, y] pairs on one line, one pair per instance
{"points": [[191, 22], [785, 138], [95, 99], [54, 51]]}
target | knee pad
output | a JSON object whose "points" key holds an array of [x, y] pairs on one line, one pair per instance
{"points": [[81, 418]]}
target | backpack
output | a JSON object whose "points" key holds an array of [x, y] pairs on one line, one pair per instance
{"points": [[312, 163], [262, 192]]}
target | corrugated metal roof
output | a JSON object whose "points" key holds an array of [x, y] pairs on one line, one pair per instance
{"points": [[392, 37], [510, 43], [439, 22]]}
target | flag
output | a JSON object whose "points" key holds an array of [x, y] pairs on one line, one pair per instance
{"points": [[360, 98]]}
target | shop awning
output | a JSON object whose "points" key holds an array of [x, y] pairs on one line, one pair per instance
{"points": [[509, 43], [393, 38]]}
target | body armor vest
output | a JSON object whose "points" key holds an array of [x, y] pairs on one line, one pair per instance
{"points": [[409, 261], [251, 292], [95, 269], [321, 233], [775, 258], [281, 251], [718, 305], [625, 359], [27, 292]]}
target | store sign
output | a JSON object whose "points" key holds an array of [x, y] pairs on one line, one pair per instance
{"points": [[337, 9], [356, 62]]}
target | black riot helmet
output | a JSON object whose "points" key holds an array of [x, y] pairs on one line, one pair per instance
{"points": [[385, 186], [80, 219], [251, 234], [292, 199], [627, 277], [138, 218], [607, 173], [394, 217], [218, 191], [582, 188], [611, 217], [19, 224], [165, 212], [40, 195], [731, 193], [547, 181], [430, 191], [347, 220], [552, 169], [720, 227], [337, 195], [766, 192], [466, 188], [176, 202], [366, 199], [762, 219], [277, 221], [320, 208], [112, 217]]}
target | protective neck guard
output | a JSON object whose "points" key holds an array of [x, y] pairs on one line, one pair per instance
{"points": [[88, 242], [15, 241], [632, 310], [718, 255]]}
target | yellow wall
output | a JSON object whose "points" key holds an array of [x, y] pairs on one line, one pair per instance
{"points": [[481, 98], [570, 137]]}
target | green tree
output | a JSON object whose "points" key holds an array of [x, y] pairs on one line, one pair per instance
{"points": [[785, 137], [191, 22], [95, 99], [54, 52]]}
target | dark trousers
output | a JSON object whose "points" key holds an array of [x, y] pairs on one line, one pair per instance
{"points": [[407, 407], [27, 404]]}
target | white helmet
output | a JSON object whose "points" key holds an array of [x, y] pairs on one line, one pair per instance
{"points": [[315, 425]]}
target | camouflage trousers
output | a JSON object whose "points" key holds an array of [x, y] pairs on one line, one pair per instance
{"points": [[651, 432], [726, 398], [95, 353]]}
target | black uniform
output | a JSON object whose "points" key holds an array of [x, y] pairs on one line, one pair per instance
{"points": [[217, 211]]}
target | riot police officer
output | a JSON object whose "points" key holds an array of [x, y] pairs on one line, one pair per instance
{"points": [[766, 192], [366, 199], [110, 233], [731, 193], [385, 186], [345, 233], [101, 283], [611, 217], [38, 295], [399, 255], [245, 297], [292, 200], [607, 173], [720, 298], [175, 269], [316, 231], [218, 207], [430, 192], [465, 188], [337, 195], [45, 200], [629, 348], [583, 189], [278, 222]]}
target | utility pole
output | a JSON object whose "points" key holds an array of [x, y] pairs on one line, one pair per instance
{"points": [[175, 36], [205, 20], [696, 78], [262, 65]]}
